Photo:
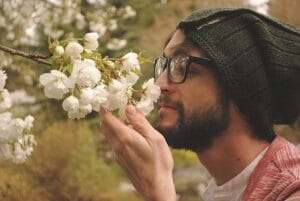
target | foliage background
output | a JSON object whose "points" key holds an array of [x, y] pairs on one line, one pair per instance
{"points": [[72, 161]]}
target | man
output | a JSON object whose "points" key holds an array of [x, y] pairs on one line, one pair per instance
{"points": [[226, 76]]}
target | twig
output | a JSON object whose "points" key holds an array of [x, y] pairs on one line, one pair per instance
{"points": [[36, 57]]}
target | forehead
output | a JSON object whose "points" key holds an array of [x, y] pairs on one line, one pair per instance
{"points": [[180, 44]]}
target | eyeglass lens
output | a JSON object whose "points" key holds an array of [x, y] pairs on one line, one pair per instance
{"points": [[176, 67]]}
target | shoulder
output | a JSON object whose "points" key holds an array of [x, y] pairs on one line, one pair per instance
{"points": [[285, 156], [277, 175]]}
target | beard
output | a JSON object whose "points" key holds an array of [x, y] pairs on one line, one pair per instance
{"points": [[197, 131]]}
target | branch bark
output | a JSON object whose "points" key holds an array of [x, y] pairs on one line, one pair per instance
{"points": [[36, 57]]}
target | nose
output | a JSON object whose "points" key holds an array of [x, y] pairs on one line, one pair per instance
{"points": [[166, 86]]}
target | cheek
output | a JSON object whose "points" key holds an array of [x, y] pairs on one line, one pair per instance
{"points": [[198, 97]]}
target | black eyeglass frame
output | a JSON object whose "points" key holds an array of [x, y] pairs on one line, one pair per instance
{"points": [[190, 59]]}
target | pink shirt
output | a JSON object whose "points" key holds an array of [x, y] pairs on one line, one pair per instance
{"points": [[277, 175]]}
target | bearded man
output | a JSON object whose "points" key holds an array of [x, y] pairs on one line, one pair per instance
{"points": [[226, 77]]}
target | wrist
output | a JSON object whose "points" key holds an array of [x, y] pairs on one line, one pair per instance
{"points": [[163, 191]]}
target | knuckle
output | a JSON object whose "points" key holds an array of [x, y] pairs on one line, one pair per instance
{"points": [[159, 140]]}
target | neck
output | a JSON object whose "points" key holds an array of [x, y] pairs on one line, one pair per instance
{"points": [[231, 152]]}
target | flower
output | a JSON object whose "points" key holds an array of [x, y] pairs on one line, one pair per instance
{"points": [[115, 86], [100, 97], [91, 41], [22, 148], [116, 44], [3, 78], [15, 145], [86, 95], [5, 100], [71, 103], [129, 12], [85, 73], [98, 27], [145, 105], [81, 112], [59, 50], [20, 96], [28, 122], [6, 132], [152, 91], [112, 24], [131, 78], [116, 101], [130, 62], [74, 50], [56, 84]]}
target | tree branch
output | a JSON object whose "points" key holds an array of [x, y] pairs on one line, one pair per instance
{"points": [[36, 57]]}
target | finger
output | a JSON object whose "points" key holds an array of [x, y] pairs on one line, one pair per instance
{"points": [[139, 121]]}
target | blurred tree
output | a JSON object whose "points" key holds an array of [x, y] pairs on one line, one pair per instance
{"points": [[286, 10]]}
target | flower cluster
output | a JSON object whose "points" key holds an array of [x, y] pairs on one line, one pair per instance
{"points": [[86, 80], [16, 142]]}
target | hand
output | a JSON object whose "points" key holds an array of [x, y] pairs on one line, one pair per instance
{"points": [[142, 152]]}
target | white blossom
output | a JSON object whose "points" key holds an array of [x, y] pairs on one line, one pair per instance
{"points": [[129, 12], [6, 127], [74, 50], [3, 78], [112, 24], [23, 148], [85, 73], [130, 61], [56, 84], [131, 78], [145, 105], [116, 44], [98, 27], [59, 50], [100, 97], [71, 103], [86, 95], [152, 91], [91, 41], [117, 95], [80, 21], [82, 111], [115, 86], [28, 122], [116, 101], [21, 97], [15, 144], [5, 100]]}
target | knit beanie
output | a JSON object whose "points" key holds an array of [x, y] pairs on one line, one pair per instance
{"points": [[257, 59]]}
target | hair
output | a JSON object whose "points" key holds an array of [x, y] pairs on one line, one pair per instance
{"points": [[251, 123]]}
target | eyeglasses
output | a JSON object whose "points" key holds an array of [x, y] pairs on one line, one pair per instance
{"points": [[178, 66]]}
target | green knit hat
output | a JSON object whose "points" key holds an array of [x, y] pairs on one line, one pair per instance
{"points": [[257, 58]]}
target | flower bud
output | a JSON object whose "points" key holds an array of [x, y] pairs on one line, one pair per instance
{"points": [[74, 50], [59, 50], [71, 103]]}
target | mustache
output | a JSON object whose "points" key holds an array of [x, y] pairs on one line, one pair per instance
{"points": [[166, 100]]}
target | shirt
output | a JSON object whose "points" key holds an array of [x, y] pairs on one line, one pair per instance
{"points": [[234, 188]]}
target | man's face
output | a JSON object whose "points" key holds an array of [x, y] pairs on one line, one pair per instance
{"points": [[194, 112]]}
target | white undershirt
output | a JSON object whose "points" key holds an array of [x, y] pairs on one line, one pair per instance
{"points": [[234, 188]]}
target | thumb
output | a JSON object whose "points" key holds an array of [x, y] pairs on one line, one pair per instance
{"points": [[138, 121]]}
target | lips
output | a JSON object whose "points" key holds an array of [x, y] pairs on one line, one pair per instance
{"points": [[167, 103], [162, 105]]}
